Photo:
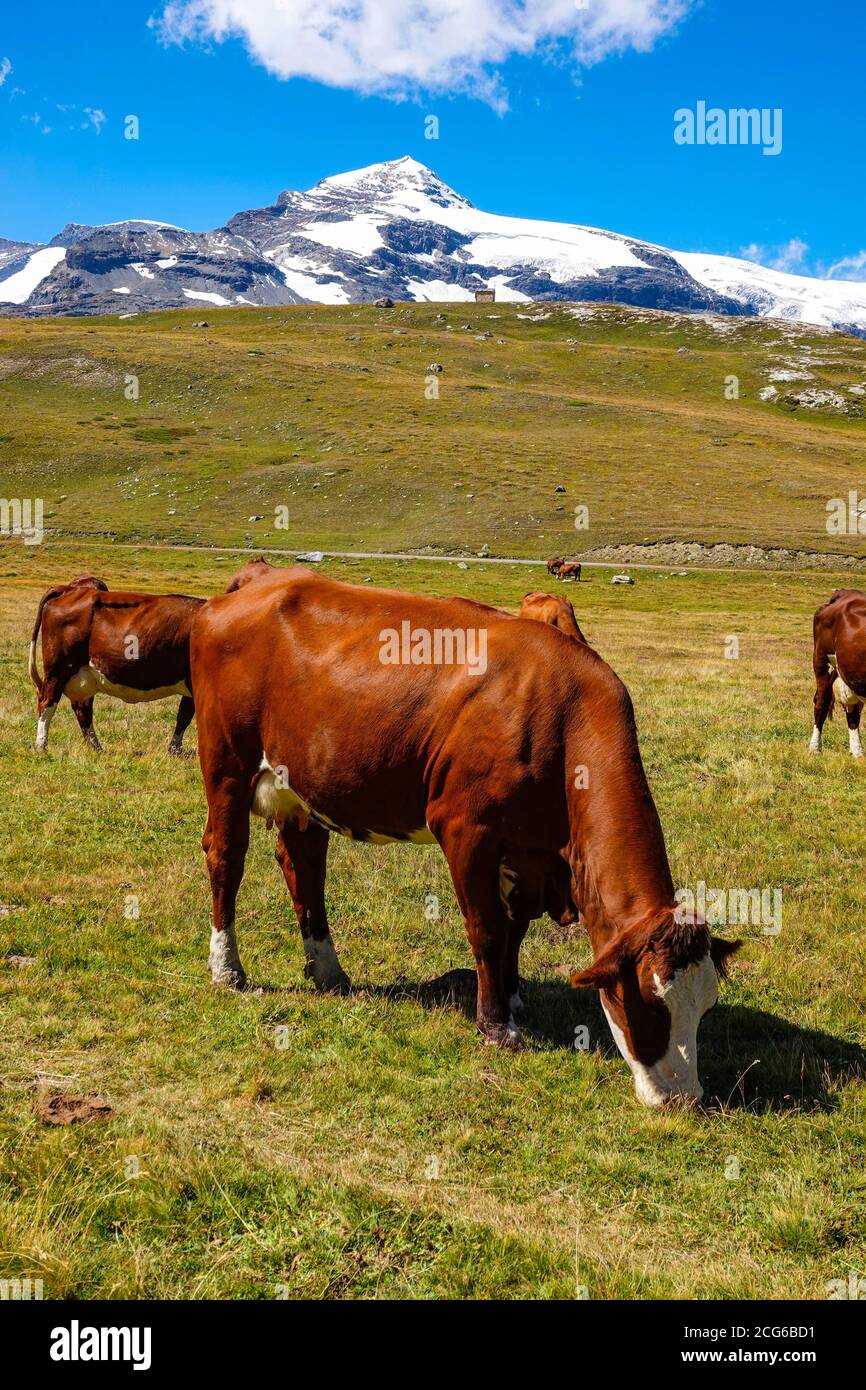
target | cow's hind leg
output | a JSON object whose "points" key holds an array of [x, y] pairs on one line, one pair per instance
{"points": [[84, 714], [302, 856], [45, 714], [822, 702], [185, 713], [46, 706], [474, 857], [225, 841], [852, 715]]}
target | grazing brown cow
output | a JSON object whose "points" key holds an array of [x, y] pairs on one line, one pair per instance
{"points": [[554, 566], [839, 663], [387, 716], [557, 612], [569, 570], [99, 642]]}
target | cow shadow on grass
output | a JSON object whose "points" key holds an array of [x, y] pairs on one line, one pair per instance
{"points": [[748, 1058]]}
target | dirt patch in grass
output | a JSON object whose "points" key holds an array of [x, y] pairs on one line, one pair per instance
{"points": [[56, 1109]]}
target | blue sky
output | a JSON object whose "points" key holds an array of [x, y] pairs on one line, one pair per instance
{"points": [[524, 128]]}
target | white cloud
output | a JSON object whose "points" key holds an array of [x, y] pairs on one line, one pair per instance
{"points": [[848, 268], [398, 47], [793, 257], [5, 69], [95, 118], [790, 256]]}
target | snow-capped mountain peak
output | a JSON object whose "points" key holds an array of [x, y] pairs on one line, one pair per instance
{"points": [[394, 229], [394, 182]]}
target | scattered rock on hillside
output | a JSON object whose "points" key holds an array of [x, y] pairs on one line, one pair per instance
{"points": [[722, 556]]}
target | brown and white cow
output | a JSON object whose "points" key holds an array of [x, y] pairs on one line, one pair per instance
{"points": [[321, 706], [839, 663], [553, 610], [96, 641]]}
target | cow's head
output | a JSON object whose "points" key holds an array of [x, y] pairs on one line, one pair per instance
{"points": [[657, 979]]}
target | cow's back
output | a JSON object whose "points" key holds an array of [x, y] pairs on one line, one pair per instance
{"points": [[318, 677]]}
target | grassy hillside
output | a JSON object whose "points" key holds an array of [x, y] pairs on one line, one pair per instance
{"points": [[372, 1145], [323, 411]]}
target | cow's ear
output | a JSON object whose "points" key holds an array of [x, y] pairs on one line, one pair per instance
{"points": [[721, 950], [601, 975], [605, 971]]}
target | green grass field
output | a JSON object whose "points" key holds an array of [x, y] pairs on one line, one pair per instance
{"points": [[284, 1143], [323, 412], [373, 1146]]}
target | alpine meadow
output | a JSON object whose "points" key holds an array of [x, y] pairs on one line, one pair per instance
{"points": [[432, 674]]}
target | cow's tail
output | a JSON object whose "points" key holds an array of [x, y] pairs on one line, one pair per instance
{"points": [[32, 667]]}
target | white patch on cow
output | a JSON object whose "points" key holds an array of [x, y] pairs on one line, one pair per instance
{"points": [[815, 740], [847, 697], [89, 681], [42, 726], [687, 995], [224, 961], [516, 1006], [275, 799], [854, 745]]}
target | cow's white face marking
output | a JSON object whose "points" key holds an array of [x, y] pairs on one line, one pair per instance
{"points": [[42, 728], [275, 799], [687, 995], [89, 681]]}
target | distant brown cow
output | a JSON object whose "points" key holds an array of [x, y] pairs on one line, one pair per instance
{"points": [[554, 566], [555, 611], [569, 570], [98, 642], [839, 663], [387, 716]]}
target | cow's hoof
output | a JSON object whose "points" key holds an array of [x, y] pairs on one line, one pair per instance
{"points": [[814, 750], [328, 981], [859, 754], [232, 977], [509, 1037], [175, 750]]}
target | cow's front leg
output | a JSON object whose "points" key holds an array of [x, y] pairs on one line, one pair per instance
{"points": [[474, 857], [225, 843], [852, 715], [185, 713], [302, 855], [84, 714], [516, 932]]}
